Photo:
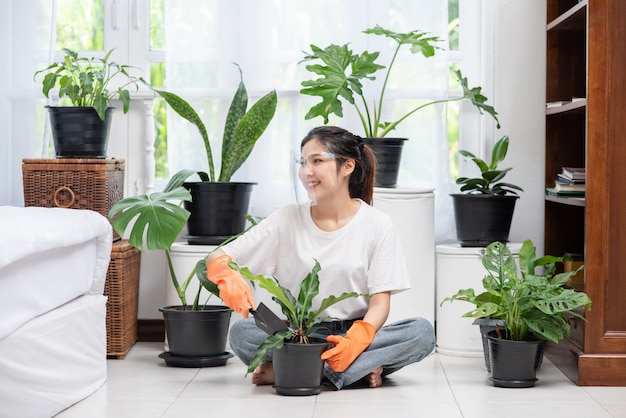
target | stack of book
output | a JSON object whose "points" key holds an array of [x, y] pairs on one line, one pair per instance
{"points": [[570, 182]]}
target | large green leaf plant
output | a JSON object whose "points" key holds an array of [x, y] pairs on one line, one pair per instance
{"points": [[342, 73], [528, 300], [302, 318], [242, 129], [155, 221]]}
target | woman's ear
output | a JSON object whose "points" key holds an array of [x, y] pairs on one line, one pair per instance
{"points": [[348, 167]]}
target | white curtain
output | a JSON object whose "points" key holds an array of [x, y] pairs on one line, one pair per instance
{"points": [[266, 38]]}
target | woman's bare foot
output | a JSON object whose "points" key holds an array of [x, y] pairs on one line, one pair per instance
{"points": [[375, 378], [264, 374]]}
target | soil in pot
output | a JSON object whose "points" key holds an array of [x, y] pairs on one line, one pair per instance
{"points": [[298, 368], [196, 338]]}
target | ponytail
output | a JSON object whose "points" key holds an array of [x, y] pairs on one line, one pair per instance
{"points": [[363, 178]]}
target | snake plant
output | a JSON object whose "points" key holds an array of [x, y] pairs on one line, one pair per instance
{"points": [[242, 128]]}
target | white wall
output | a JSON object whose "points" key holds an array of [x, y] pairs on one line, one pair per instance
{"points": [[520, 85]]}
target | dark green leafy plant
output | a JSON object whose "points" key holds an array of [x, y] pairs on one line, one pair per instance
{"points": [[158, 220], [85, 81], [526, 301], [242, 128], [342, 72], [489, 181], [301, 317]]}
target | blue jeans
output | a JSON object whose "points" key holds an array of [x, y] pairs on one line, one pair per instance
{"points": [[394, 346]]}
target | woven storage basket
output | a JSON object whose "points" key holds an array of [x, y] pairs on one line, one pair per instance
{"points": [[95, 184], [122, 290]]}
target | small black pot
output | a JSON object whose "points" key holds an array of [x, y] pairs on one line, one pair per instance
{"points": [[482, 219], [201, 333], [217, 209], [78, 132], [388, 155], [514, 364], [298, 368]]}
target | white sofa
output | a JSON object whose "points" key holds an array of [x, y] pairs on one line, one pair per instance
{"points": [[53, 265]]}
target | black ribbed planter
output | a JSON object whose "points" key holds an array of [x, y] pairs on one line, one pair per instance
{"points": [[217, 209], [298, 368], [514, 364], [196, 338], [78, 132], [388, 155], [482, 219]]}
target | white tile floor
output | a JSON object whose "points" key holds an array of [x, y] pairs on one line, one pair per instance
{"points": [[446, 386]]}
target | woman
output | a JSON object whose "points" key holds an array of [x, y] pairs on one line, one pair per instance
{"points": [[358, 249]]}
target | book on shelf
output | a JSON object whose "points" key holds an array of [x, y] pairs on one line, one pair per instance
{"points": [[559, 103], [550, 191], [561, 186], [560, 177], [574, 173]]}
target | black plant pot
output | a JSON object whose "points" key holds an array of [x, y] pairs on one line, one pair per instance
{"points": [[298, 368], [482, 219], [78, 132], [514, 364], [196, 338], [487, 325], [388, 155], [217, 211]]}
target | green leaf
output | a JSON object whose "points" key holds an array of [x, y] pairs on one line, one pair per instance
{"points": [[309, 288], [474, 96], [331, 300], [204, 281], [499, 151], [267, 283], [187, 112], [340, 78], [178, 179], [273, 341], [419, 41], [250, 128], [155, 216], [235, 112]]}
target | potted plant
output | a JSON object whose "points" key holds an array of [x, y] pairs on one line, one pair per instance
{"points": [[534, 305], [341, 74], [80, 127], [218, 206], [296, 354], [196, 332], [484, 208]]}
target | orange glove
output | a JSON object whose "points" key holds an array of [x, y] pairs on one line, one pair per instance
{"points": [[348, 348], [234, 290]]}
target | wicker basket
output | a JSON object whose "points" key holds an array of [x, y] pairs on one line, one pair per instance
{"points": [[122, 290], [95, 184]]}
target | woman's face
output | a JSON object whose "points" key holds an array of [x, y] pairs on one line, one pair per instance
{"points": [[318, 172]]}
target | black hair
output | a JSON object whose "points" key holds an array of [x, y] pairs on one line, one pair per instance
{"points": [[345, 145]]}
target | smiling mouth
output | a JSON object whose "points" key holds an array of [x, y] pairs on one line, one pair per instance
{"points": [[311, 184]]}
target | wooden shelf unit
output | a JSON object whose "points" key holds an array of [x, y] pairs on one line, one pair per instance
{"points": [[586, 55]]}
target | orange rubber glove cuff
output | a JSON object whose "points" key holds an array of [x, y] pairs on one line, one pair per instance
{"points": [[234, 290], [348, 348]]}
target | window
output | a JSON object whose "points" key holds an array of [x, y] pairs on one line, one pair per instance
{"points": [[188, 46]]}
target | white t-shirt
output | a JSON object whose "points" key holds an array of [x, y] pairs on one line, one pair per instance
{"points": [[363, 256]]}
